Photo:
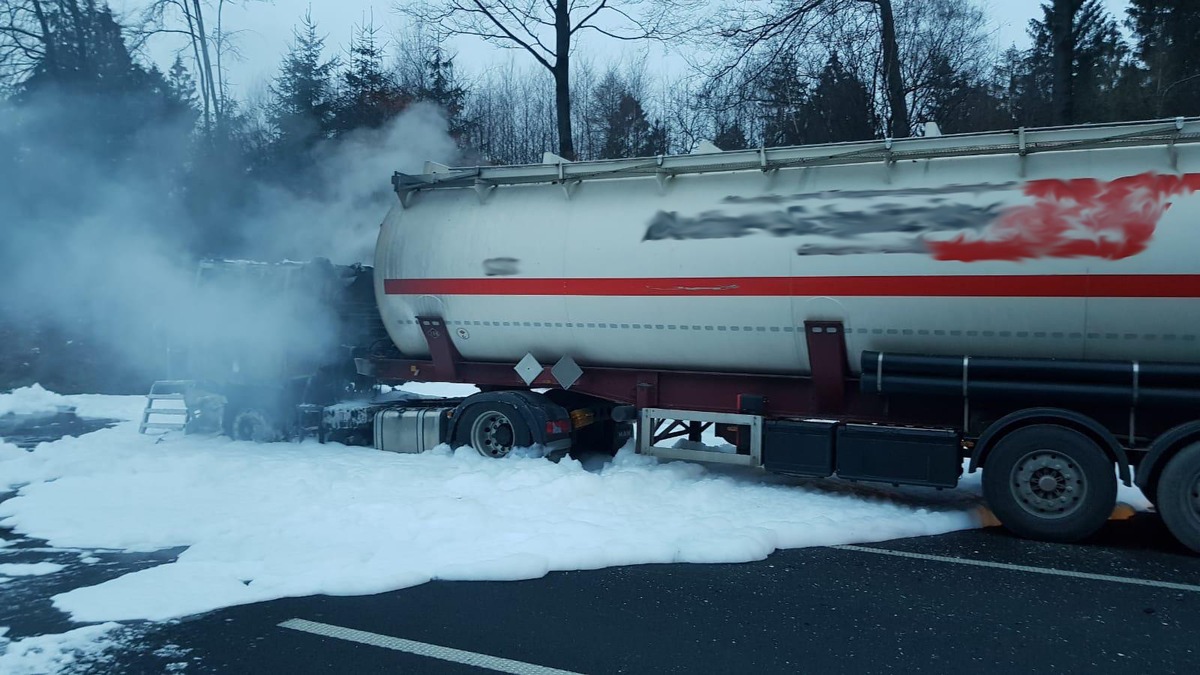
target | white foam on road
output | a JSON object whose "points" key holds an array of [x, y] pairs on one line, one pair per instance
{"points": [[43, 654], [28, 569], [260, 522], [31, 400]]}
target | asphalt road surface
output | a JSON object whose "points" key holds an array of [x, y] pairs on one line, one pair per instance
{"points": [[978, 601]]}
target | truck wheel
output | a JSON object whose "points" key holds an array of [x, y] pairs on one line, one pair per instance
{"points": [[1049, 482], [254, 425], [1179, 496], [493, 430]]}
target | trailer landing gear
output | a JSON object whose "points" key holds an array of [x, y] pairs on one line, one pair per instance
{"points": [[1050, 482], [1178, 498]]}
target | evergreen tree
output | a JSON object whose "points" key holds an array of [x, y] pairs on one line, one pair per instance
{"points": [[959, 105], [440, 86], [621, 122], [1089, 92], [840, 107], [303, 108], [783, 99], [731, 137], [1167, 40], [369, 96], [86, 80], [627, 132], [181, 85]]}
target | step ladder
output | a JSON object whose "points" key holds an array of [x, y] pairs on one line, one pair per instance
{"points": [[167, 390]]}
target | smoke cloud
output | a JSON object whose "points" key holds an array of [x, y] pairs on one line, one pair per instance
{"points": [[98, 261], [354, 174]]}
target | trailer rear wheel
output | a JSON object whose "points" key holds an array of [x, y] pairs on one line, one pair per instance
{"points": [[1179, 496], [1050, 482], [493, 430]]}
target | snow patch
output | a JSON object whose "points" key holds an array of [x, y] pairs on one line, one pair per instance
{"points": [[44, 654], [31, 400], [445, 389], [128, 408], [29, 569]]}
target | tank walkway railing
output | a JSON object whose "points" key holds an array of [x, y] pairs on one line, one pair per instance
{"points": [[1020, 142]]}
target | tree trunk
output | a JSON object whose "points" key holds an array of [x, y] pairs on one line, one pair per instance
{"points": [[893, 80], [208, 72], [1062, 22], [221, 96], [562, 78], [50, 61], [79, 40], [187, 14]]}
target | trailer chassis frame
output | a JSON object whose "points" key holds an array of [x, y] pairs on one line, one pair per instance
{"points": [[831, 389]]}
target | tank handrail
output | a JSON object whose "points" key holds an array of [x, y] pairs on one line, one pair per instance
{"points": [[1020, 141]]}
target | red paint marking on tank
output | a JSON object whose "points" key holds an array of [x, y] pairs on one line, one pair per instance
{"points": [[1075, 218], [975, 286]]}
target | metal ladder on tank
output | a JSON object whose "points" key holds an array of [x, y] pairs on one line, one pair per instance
{"points": [[166, 390]]}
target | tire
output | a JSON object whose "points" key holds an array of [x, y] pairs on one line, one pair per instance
{"points": [[1178, 497], [254, 425], [1050, 483], [493, 429]]}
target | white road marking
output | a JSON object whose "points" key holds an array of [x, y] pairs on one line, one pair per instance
{"points": [[422, 648], [1025, 568]]}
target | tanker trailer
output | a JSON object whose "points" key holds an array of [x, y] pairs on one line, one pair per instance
{"points": [[1023, 302]]}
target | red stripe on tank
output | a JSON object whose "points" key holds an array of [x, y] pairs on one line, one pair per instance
{"points": [[974, 286]]}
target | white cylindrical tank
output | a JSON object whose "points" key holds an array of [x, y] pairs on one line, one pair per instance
{"points": [[951, 247]]}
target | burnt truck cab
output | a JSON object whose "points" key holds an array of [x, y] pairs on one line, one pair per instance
{"points": [[269, 344]]}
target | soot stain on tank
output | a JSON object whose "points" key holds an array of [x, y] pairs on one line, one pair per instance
{"points": [[501, 267]]}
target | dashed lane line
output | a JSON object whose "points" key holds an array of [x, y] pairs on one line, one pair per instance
{"points": [[422, 648], [1024, 568]]}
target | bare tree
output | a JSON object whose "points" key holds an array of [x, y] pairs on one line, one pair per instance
{"points": [[944, 44], [779, 29], [506, 105], [548, 30], [209, 47], [186, 18], [25, 38]]}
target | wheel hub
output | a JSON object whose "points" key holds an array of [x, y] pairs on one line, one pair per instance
{"points": [[492, 434], [1196, 496], [1048, 484]]}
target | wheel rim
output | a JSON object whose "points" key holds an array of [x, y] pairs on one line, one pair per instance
{"points": [[1195, 500], [250, 426], [1048, 484], [492, 434]]}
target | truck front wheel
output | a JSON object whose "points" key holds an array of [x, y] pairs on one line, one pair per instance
{"points": [[255, 425], [1179, 496], [493, 429], [1050, 482]]}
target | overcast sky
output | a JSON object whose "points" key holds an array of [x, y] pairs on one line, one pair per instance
{"points": [[267, 31]]}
